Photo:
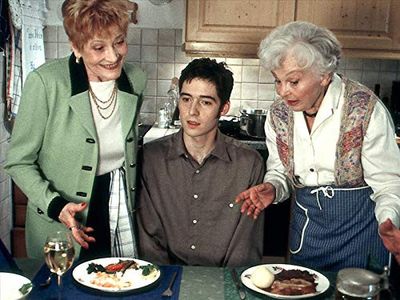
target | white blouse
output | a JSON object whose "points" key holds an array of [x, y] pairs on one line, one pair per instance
{"points": [[315, 153], [109, 131]]}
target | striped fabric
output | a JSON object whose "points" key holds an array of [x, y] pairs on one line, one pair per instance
{"points": [[335, 228], [123, 243]]}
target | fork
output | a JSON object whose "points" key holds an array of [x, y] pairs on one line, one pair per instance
{"points": [[47, 282], [168, 292]]}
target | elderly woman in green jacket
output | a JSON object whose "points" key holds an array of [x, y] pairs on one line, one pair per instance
{"points": [[73, 147]]}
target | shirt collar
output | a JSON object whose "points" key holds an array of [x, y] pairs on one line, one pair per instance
{"points": [[177, 147], [331, 99], [332, 95]]}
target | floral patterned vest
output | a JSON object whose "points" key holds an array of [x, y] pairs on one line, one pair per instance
{"points": [[359, 104]]}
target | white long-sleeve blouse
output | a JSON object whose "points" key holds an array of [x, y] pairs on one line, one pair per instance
{"points": [[315, 153]]}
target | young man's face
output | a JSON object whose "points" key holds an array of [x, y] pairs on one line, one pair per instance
{"points": [[199, 108]]}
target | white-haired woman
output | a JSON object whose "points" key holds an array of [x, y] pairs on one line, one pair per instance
{"points": [[331, 142]]}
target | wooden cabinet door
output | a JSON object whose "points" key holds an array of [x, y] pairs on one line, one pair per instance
{"points": [[232, 28], [366, 28]]}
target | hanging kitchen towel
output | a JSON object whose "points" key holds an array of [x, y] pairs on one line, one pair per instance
{"points": [[26, 47], [32, 36]]}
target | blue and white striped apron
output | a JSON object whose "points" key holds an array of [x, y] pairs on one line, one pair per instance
{"points": [[335, 228]]}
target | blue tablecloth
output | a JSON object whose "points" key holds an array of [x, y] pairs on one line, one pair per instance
{"points": [[7, 263], [72, 290]]}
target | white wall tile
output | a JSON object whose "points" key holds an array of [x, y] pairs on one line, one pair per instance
{"points": [[61, 35], [166, 54], [149, 104], [134, 36], [251, 62], [178, 69], [234, 61], [178, 37], [149, 36], [134, 54], [166, 37], [151, 88], [149, 53], [234, 109], [266, 92], [236, 91], [354, 64], [353, 74], [250, 73], [51, 50], [246, 104], [237, 73], [249, 91], [166, 71], [64, 49], [180, 56], [163, 87], [50, 34], [150, 69], [370, 64]]}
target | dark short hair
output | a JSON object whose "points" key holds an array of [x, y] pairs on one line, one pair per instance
{"points": [[214, 72]]}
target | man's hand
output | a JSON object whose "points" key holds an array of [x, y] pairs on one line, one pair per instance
{"points": [[256, 198], [79, 232], [391, 238]]}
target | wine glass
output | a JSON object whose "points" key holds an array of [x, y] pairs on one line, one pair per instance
{"points": [[59, 253]]}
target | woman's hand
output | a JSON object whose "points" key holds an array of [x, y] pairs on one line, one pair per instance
{"points": [[256, 198], [391, 238], [79, 232]]}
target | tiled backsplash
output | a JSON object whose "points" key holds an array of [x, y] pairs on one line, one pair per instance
{"points": [[159, 52]]}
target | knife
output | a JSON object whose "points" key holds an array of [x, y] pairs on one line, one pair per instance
{"points": [[239, 287]]}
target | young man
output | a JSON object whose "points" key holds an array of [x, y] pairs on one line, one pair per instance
{"points": [[189, 180]]}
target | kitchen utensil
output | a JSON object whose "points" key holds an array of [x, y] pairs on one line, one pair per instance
{"points": [[47, 282], [252, 122], [358, 283], [239, 287], [168, 292]]}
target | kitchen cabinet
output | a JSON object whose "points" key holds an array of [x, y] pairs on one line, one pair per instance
{"points": [[234, 28]]}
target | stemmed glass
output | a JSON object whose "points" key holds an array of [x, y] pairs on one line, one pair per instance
{"points": [[59, 254]]}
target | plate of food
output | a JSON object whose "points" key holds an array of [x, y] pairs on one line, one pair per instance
{"points": [[116, 274], [284, 281], [14, 286]]}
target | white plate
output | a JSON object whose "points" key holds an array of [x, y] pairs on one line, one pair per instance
{"points": [[321, 280], [138, 281], [10, 284]]}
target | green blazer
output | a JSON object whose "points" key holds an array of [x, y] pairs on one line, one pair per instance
{"points": [[54, 149]]}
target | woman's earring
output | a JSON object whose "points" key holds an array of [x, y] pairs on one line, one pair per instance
{"points": [[78, 60]]}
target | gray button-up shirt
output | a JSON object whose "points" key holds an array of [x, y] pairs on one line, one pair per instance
{"points": [[186, 211]]}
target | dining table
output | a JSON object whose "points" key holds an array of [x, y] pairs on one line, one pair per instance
{"points": [[191, 283]]}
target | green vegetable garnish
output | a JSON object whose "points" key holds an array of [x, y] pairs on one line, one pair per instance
{"points": [[92, 267], [25, 288], [146, 270]]}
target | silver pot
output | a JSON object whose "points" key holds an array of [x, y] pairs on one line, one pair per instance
{"points": [[252, 122]]}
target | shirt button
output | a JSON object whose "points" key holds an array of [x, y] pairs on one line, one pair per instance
{"points": [[194, 221], [230, 205], [197, 171], [193, 247], [312, 170], [195, 196]]}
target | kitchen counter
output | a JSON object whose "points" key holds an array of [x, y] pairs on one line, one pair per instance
{"points": [[156, 132]]}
